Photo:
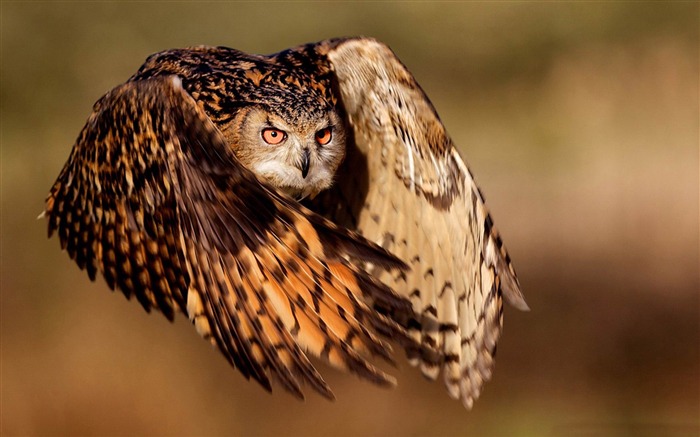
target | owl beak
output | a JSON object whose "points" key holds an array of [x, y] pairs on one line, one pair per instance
{"points": [[305, 158]]}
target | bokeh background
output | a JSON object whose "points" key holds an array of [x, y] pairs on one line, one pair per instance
{"points": [[580, 121]]}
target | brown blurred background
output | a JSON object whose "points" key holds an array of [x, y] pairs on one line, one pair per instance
{"points": [[580, 121]]}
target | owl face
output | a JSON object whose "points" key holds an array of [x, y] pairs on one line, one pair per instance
{"points": [[297, 152]]}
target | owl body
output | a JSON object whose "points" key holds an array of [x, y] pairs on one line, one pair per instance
{"points": [[184, 189]]}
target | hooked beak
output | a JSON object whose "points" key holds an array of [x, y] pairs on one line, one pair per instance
{"points": [[305, 163]]}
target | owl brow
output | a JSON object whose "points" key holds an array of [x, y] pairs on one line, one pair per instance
{"points": [[269, 123], [326, 123]]}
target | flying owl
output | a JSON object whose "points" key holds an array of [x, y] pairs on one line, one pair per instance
{"points": [[306, 203]]}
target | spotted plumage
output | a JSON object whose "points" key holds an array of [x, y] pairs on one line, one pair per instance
{"points": [[201, 185]]}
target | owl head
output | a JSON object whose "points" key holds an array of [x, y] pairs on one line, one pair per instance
{"points": [[295, 146], [280, 119]]}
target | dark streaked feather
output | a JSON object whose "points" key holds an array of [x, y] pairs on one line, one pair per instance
{"points": [[153, 198]]}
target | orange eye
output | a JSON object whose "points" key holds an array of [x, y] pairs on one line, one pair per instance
{"points": [[273, 136], [324, 136]]}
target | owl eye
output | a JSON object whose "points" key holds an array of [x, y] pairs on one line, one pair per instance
{"points": [[273, 136], [324, 136]]}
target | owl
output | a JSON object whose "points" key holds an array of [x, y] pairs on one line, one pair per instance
{"points": [[303, 204]]}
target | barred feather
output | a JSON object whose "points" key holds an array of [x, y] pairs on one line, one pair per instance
{"points": [[419, 201]]}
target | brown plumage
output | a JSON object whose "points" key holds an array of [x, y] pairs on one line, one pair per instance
{"points": [[164, 194]]}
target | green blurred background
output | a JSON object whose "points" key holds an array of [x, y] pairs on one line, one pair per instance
{"points": [[580, 121]]}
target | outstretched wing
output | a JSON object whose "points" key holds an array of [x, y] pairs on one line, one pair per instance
{"points": [[153, 198], [405, 186]]}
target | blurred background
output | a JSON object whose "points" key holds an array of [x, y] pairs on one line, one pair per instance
{"points": [[580, 122]]}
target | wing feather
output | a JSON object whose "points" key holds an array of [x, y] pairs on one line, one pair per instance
{"points": [[419, 201], [153, 198]]}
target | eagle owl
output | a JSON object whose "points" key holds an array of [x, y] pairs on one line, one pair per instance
{"points": [[306, 203]]}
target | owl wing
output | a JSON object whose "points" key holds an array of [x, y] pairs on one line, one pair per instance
{"points": [[405, 186], [154, 200]]}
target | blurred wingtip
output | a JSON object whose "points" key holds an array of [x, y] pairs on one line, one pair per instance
{"points": [[328, 395], [511, 286], [518, 301]]}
